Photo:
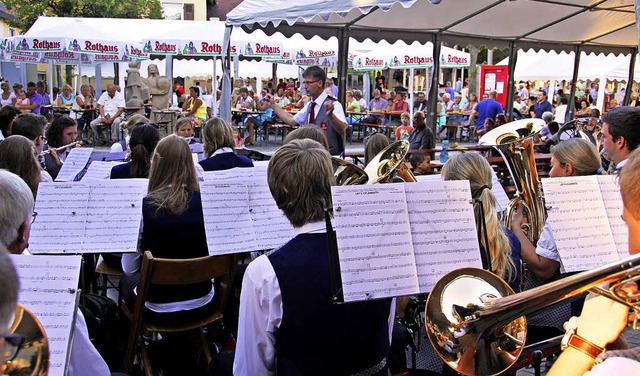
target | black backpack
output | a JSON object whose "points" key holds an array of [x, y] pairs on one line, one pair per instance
{"points": [[101, 315]]}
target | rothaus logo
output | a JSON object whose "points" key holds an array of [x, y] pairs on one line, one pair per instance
{"points": [[313, 53], [165, 47], [45, 45], [369, 61], [99, 47], [418, 59], [266, 50], [456, 59]]}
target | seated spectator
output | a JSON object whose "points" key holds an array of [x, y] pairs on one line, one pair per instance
{"points": [[132, 122], [7, 97], [194, 108], [67, 98], [420, 162], [259, 121], [377, 104], [500, 120], [219, 147], [83, 110], [352, 105], [23, 103]]}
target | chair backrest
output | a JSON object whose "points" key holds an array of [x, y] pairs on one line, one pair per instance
{"points": [[186, 271]]}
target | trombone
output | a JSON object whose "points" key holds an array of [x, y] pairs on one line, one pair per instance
{"points": [[477, 325]]}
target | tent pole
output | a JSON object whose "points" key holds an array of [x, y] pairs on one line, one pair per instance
{"points": [[214, 88], [411, 73], [343, 56], [632, 66], [571, 106], [513, 56], [274, 76], [168, 71], [433, 92]]}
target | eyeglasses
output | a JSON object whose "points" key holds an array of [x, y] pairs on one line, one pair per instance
{"points": [[33, 216], [13, 343], [307, 83]]}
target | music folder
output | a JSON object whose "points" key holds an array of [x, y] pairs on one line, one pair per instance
{"points": [[400, 239], [584, 214]]}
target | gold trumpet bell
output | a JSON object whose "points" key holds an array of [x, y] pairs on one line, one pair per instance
{"points": [[32, 359], [465, 342], [390, 163]]}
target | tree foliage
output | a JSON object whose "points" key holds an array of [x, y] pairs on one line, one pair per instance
{"points": [[27, 11]]}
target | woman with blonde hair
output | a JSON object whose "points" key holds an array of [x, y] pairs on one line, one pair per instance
{"points": [[184, 129], [67, 98], [502, 244], [173, 227], [219, 147], [18, 154]]}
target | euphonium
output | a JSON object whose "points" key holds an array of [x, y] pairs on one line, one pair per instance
{"points": [[32, 359], [578, 128], [347, 173], [390, 163], [477, 326], [514, 141]]}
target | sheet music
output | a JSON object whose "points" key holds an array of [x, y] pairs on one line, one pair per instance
{"points": [[116, 211], [88, 217], [374, 241], [48, 289], [74, 163], [99, 170], [612, 198], [61, 219], [497, 189], [579, 222], [272, 227], [227, 220], [261, 163], [443, 229]]}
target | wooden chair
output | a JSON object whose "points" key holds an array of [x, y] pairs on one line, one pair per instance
{"points": [[106, 271], [174, 272]]}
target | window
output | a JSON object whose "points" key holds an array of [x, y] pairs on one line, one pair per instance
{"points": [[188, 12], [172, 11], [12, 32]]}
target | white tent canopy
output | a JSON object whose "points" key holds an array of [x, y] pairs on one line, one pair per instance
{"points": [[545, 66], [602, 25]]}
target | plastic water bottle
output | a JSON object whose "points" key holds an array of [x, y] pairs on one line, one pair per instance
{"points": [[444, 154]]}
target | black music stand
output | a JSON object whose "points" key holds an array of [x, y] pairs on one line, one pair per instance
{"points": [[337, 296]]}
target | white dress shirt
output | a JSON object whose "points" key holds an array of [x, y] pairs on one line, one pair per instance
{"points": [[111, 105], [261, 314]]}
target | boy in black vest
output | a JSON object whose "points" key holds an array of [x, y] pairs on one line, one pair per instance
{"points": [[288, 323]]}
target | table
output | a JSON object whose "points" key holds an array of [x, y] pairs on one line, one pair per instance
{"points": [[162, 114]]}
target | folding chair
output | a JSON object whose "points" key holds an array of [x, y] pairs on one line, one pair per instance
{"points": [[160, 271]]}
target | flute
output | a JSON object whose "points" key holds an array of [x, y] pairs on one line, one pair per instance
{"points": [[48, 151]]}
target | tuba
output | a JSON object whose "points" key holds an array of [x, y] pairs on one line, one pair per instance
{"points": [[32, 358], [389, 164], [514, 141], [477, 326]]}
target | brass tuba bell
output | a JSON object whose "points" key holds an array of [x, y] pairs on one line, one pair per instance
{"points": [[32, 358], [514, 141]]}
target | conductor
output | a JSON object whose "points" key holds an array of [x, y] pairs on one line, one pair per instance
{"points": [[288, 323], [322, 110]]}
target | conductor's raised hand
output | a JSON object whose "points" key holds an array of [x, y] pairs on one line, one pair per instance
{"points": [[328, 105]]}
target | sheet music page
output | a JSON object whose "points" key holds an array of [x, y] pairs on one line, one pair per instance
{"points": [[374, 241], [272, 227], [115, 207], [61, 220], [579, 222], [497, 189], [99, 170], [227, 220], [443, 229], [48, 289], [612, 198], [74, 163]]}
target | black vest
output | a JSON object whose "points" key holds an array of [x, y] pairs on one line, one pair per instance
{"points": [[335, 139], [317, 337]]}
